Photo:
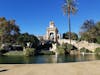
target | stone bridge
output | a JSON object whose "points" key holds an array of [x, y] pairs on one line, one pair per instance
{"points": [[81, 44]]}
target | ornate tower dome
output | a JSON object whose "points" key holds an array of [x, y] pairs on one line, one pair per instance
{"points": [[51, 24]]}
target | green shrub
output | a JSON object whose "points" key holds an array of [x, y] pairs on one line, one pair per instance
{"points": [[64, 48], [97, 50], [61, 50], [29, 52], [69, 47], [14, 53], [44, 52], [98, 39], [85, 50], [2, 51]]}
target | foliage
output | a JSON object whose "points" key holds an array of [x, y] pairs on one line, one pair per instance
{"points": [[25, 38], [8, 30], [10, 33], [45, 52], [97, 50], [90, 31], [29, 52], [98, 39], [69, 7], [85, 50], [69, 47], [98, 32], [61, 50], [74, 36], [2, 51], [14, 53], [65, 48], [17, 47]]}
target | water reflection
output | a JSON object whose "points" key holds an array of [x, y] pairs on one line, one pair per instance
{"points": [[47, 59]]}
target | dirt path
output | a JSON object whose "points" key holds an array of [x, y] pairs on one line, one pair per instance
{"points": [[80, 68]]}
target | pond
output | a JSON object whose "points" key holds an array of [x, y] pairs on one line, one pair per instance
{"points": [[47, 59]]}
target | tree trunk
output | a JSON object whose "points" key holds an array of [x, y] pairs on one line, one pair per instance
{"points": [[69, 27]]}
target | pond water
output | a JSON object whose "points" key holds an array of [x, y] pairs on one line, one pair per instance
{"points": [[47, 59]]}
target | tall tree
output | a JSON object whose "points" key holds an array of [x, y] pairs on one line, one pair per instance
{"points": [[98, 27], [26, 37], [8, 30], [89, 31], [69, 7], [74, 36], [2, 28], [98, 32]]}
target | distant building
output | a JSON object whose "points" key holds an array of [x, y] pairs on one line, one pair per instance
{"points": [[51, 33]]}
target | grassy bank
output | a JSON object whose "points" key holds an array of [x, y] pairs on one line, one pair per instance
{"points": [[21, 53], [14, 53]]}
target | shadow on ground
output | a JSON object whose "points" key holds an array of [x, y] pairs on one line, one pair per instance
{"points": [[3, 70]]}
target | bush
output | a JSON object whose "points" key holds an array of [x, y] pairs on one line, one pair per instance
{"points": [[7, 46], [61, 50], [17, 47], [98, 39], [2, 51], [29, 52], [85, 50], [97, 50], [64, 48], [14, 53], [44, 52], [69, 47]]}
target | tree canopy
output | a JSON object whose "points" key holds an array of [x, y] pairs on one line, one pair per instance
{"points": [[25, 38], [10, 33], [74, 36], [9, 30], [90, 31], [69, 7]]}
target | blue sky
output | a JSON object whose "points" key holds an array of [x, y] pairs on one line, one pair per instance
{"points": [[33, 16]]}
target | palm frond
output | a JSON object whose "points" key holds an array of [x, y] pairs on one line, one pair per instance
{"points": [[65, 8], [74, 10], [70, 6]]}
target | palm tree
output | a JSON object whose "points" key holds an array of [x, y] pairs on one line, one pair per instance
{"points": [[69, 7]]}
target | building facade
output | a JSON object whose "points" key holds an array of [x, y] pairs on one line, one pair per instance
{"points": [[52, 32]]}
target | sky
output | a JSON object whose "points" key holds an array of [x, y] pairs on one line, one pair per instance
{"points": [[33, 16]]}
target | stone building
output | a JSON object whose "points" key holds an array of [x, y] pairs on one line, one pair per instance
{"points": [[52, 32]]}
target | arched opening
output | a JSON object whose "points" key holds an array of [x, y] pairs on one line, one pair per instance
{"points": [[51, 36]]}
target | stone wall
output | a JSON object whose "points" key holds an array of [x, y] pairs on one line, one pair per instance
{"points": [[79, 45]]}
